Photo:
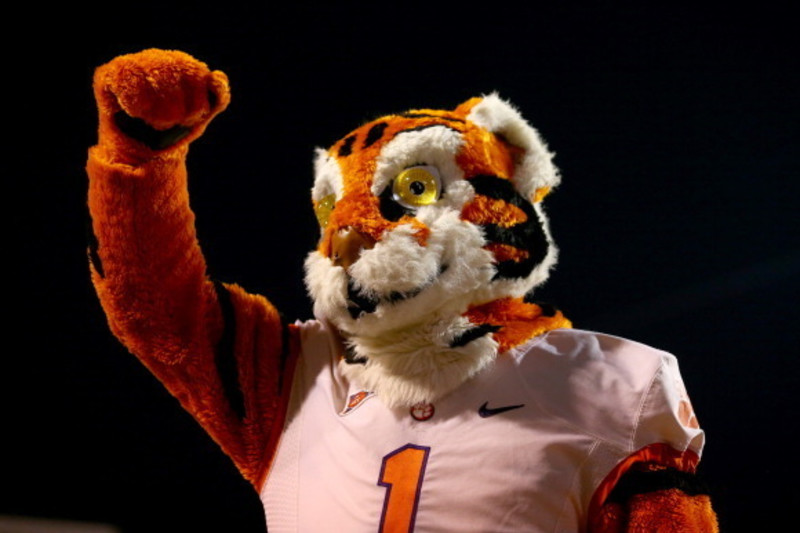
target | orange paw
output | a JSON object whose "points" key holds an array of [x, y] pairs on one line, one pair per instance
{"points": [[156, 98]]}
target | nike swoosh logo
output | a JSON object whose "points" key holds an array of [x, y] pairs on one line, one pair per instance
{"points": [[485, 411]]}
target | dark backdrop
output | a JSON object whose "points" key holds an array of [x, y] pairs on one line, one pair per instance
{"points": [[675, 130]]}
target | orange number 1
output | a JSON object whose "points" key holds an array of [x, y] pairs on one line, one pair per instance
{"points": [[401, 473]]}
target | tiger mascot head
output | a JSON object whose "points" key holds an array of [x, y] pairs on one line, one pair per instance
{"points": [[432, 234]]}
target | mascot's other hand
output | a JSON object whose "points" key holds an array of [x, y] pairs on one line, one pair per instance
{"points": [[155, 100]]}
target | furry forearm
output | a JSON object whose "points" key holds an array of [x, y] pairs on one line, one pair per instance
{"points": [[149, 271], [653, 498]]}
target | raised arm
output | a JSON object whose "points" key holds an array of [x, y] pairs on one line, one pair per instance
{"points": [[222, 352]]}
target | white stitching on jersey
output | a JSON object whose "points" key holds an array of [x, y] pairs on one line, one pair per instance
{"points": [[642, 404], [574, 485]]}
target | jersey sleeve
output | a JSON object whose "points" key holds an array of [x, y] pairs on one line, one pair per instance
{"points": [[664, 431], [666, 414], [629, 398], [625, 394], [655, 487]]}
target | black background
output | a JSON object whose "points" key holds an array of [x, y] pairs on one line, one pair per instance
{"points": [[675, 131]]}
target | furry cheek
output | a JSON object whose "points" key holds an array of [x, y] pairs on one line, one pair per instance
{"points": [[396, 264], [457, 195], [327, 286]]}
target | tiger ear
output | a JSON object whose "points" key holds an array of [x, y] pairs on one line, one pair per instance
{"points": [[465, 107], [534, 174]]}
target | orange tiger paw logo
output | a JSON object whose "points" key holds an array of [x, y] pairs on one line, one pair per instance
{"points": [[686, 415]]}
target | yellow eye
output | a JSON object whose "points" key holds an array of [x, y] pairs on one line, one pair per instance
{"points": [[417, 186], [323, 209]]}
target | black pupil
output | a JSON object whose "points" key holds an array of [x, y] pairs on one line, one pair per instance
{"points": [[417, 187]]}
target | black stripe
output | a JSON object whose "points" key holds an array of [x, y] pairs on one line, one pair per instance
{"points": [[357, 302], [548, 310], [225, 359], [500, 189], [391, 210], [347, 146], [351, 358], [639, 482], [93, 246], [512, 236], [374, 134], [139, 130], [528, 235], [427, 115], [473, 333]]}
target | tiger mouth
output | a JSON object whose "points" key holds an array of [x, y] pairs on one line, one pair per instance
{"points": [[359, 304]]}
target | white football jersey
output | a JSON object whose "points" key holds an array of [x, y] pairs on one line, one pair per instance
{"points": [[523, 446]]}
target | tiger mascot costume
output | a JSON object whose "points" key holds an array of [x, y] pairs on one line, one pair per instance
{"points": [[430, 393]]}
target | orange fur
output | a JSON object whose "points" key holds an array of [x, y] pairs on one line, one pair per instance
{"points": [[540, 194], [151, 276], [358, 208], [145, 86], [484, 210], [665, 511], [464, 108], [483, 153], [506, 252], [486, 153], [520, 321]]}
